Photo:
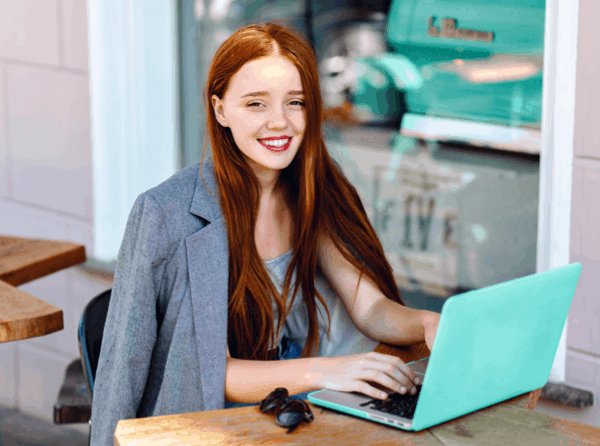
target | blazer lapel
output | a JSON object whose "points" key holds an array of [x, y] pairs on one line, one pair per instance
{"points": [[208, 268]]}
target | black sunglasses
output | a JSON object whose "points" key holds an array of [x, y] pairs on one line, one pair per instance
{"points": [[290, 412]]}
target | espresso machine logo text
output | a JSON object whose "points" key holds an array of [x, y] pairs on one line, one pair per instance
{"points": [[450, 30]]}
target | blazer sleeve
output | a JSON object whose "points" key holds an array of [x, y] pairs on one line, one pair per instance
{"points": [[131, 323]]}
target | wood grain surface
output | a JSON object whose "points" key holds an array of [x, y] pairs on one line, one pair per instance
{"points": [[23, 316], [23, 260], [496, 425], [249, 426]]}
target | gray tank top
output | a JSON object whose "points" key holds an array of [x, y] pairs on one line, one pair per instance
{"points": [[344, 338]]}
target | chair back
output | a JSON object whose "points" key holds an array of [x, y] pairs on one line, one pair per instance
{"points": [[89, 336]]}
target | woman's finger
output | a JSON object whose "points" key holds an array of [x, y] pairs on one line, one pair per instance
{"points": [[384, 379], [398, 363], [371, 391], [388, 375]]}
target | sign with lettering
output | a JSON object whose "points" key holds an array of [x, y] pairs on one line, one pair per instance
{"points": [[451, 31], [447, 217], [415, 215]]}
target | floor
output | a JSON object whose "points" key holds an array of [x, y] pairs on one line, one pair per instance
{"points": [[21, 429]]}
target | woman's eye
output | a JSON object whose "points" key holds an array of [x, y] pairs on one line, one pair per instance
{"points": [[258, 104], [300, 103]]}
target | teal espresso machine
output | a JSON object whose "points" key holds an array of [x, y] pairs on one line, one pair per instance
{"points": [[466, 71]]}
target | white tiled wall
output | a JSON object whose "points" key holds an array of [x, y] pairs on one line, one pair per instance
{"points": [[49, 122], [4, 170], [45, 178], [34, 359], [7, 373], [29, 32], [74, 19], [584, 329]]}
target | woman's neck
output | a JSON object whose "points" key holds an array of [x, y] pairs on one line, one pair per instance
{"points": [[274, 225], [273, 202]]}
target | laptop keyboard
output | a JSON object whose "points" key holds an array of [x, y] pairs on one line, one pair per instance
{"points": [[403, 405]]}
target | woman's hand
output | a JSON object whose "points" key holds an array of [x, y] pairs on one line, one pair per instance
{"points": [[430, 321], [351, 373]]}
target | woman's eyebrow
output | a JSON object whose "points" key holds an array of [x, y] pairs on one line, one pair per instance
{"points": [[264, 93]]}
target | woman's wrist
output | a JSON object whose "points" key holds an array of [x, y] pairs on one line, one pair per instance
{"points": [[429, 321], [249, 381], [424, 316]]}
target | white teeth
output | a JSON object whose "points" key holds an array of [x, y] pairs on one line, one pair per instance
{"points": [[276, 142]]}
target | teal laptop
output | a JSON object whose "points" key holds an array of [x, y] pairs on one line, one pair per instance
{"points": [[492, 344]]}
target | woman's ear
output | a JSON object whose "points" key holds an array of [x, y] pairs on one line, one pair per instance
{"points": [[219, 110]]}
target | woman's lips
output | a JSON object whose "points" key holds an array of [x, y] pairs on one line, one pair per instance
{"points": [[277, 149]]}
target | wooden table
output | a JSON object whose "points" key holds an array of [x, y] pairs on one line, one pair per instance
{"points": [[22, 260], [511, 422]]}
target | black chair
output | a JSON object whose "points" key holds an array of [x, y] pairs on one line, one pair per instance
{"points": [[89, 336], [74, 403]]}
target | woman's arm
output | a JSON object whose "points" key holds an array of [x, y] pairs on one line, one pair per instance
{"points": [[392, 323], [250, 381], [378, 317]]}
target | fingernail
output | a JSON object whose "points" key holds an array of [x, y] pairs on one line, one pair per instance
{"points": [[413, 390], [382, 395], [417, 381], [403, 389]]}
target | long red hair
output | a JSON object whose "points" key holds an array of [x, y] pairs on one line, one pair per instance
{"points": [[323, 200]]}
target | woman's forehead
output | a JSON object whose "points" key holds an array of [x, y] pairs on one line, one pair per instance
{"points": [[270, 74]]}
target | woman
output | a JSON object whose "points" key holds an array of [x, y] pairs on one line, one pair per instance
{"points": [[224, 258]]}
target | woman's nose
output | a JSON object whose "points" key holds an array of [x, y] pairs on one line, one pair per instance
{"points": [[277, 117]]}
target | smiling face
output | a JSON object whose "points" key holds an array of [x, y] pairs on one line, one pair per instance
{"points": [[264, 108]]}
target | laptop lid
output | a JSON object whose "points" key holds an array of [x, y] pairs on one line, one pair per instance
{"points": [[495, 343]]}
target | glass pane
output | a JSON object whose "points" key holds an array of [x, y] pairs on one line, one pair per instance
{"points": [[433, 109]]}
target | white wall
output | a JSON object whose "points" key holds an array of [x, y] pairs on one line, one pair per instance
{"points": [[571, 181], [45, 178], [583, 346]]}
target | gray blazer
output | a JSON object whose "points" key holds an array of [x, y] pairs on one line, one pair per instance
{"points": [[165, 338]]}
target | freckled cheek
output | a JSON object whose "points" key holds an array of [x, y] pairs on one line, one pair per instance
{"points": [[299, 124], [254, 121], [249, 125]]}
